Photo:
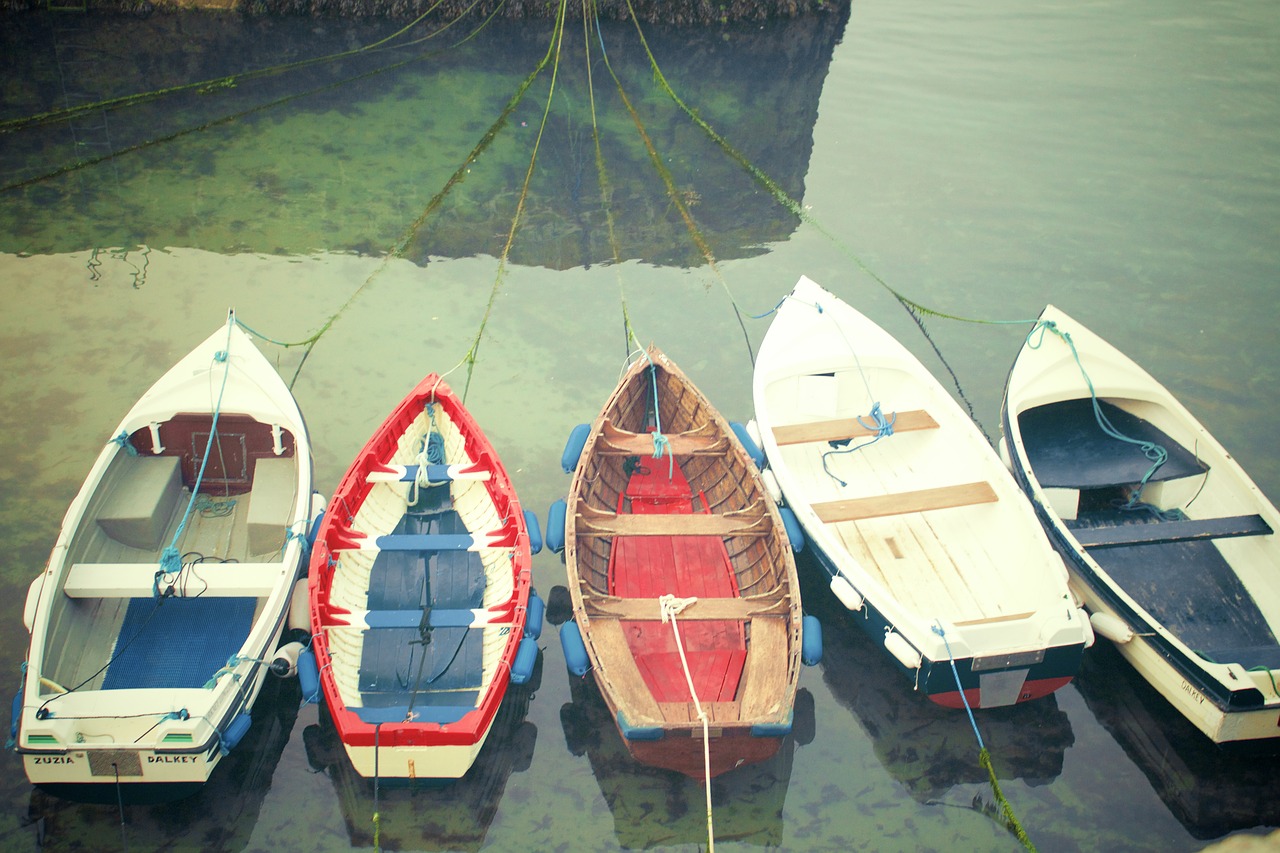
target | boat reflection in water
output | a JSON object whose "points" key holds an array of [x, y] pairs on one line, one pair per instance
{"points": [[653, 807], [1211, 789], [430, 815], [929, 749], [221, 816]]}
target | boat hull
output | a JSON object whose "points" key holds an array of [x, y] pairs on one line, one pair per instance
{"points": [[712, 687], [425, 577], [925, 537], [1178, 601], [141, 671]]}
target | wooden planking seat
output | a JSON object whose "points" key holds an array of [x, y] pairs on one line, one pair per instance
{"points": [[618, 665], [848, 428], [702, 609], [594, 522], [901, 503], [138, 580], [764, 683], [1184, 530], [703, 440]]}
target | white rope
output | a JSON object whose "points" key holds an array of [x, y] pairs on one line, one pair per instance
{"points": [[670, 607]]}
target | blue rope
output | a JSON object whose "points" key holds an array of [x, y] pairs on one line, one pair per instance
{"points": [[170, 558], [937, 629], [123, 440], [1153, 451], [661, 444], [879, 425]]}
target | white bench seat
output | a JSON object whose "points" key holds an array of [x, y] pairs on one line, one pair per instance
{"points": [[138, 580]]}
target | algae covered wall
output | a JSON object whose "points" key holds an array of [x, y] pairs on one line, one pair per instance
{"points": [[677, 12]]}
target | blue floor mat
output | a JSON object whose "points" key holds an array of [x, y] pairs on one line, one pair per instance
{"points": [[181, 642]]}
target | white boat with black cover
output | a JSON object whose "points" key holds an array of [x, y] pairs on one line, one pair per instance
{"points": [[929, 543], [1170, 543], [165, 595]]}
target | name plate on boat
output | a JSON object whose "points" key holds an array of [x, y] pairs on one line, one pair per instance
{"points": [[1006, 660]]}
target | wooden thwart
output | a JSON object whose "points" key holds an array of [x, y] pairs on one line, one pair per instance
{"points": [[703, 608], [702, 440], [594, 522], [847, 428], [901, 503]]}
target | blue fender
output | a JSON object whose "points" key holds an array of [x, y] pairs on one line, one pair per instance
{"points": [[811, 641], [555, 525], [573, 447], [533, 618], [748, 443], [235, 732], [309, 675], [791, 524], [526, 658], [535, 532], [575, 650]]}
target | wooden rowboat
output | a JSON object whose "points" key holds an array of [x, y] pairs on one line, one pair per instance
{"points": [[422, 608], [929, 542], [167, 590], [1178, 561], [677, 557]]}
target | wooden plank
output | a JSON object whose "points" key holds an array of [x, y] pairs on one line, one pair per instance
{"points": [[901, 503], [764, 682], [848, 428], [592, 522], [618, 667], [1187, 530], [138, 580], [702, 609], [704, 440]]}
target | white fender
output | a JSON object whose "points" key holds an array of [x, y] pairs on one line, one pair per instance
{"points": [[300, 607], [844, 591], [902, 650], [1111, 627], [33, 599], [771, 485]]}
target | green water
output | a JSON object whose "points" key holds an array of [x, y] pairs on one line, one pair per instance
{"points": [[1119, 159]]}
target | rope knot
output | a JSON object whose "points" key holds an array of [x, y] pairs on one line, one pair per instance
{"points": [[672, 606]]}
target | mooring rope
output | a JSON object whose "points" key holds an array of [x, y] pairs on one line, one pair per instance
{"points": [[984, 757], [171, 558], [1154, 452], [673, 194], [671, 606], [553, 49]]}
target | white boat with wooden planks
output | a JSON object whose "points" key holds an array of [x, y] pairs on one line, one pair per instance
{"points": [[926, 537], [686, 602], [166, 593], [1170, 544]]}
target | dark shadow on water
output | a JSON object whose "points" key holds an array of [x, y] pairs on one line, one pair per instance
{"points": [[452, 816], [1212, 789], [221, 817], [927, 748]]}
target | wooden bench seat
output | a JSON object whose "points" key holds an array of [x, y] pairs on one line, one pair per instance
{"points": [[901, 503], [271, 502], [594, 522], [704, 440], [702, 609], [849, 428], [1188, 530], [138, 580]]}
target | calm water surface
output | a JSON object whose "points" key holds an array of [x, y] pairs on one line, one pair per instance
{"points": [[1120, 159]]}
